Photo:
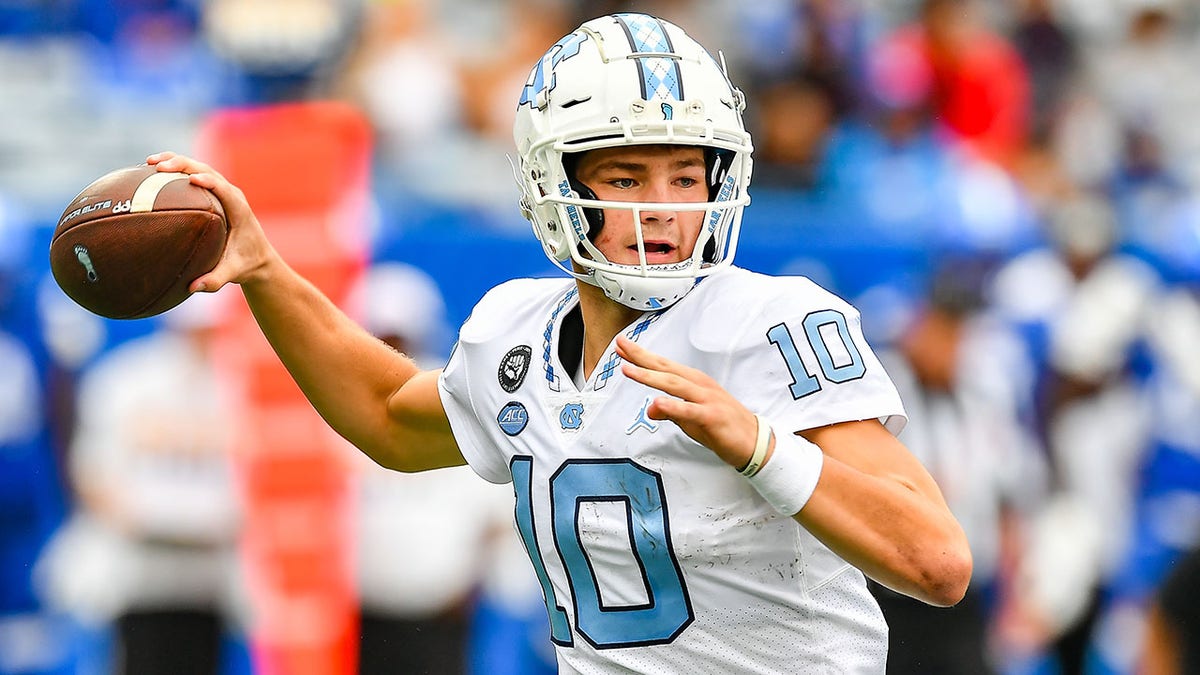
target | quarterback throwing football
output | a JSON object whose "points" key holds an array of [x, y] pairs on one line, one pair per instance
{"points": [[703, 458]]}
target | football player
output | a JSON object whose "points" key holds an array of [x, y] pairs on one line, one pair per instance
{"points": [[704, 458]]}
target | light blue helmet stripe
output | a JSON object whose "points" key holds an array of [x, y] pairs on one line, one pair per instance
{"points": [[661, 78]]}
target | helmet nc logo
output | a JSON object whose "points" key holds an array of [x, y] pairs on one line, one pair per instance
{"points": [[561, 51]]}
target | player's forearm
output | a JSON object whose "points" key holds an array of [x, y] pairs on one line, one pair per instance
{"points": [[345, 372], [894, 532]]}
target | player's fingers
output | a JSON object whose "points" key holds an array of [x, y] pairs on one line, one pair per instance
{"points": [[696, 403], [661, 373], [224, 272], [243, 255], [668, 383], [208, 283], [216, 278], [682, 412], [714, 415], [638, 355], [728, 431], [170, 161], [231, 197], [246, 249]]}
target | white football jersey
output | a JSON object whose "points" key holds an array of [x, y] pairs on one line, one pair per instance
{"points": [[653, 554]]}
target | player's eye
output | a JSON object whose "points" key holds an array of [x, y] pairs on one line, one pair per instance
{"points": [[688, 181], [622, 183]]}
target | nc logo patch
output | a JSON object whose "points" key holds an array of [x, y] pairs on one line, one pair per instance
{"points": [[571, 417], [513, 418], [513, 368]]}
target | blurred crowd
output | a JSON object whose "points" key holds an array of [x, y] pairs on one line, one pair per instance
{"points": [[1008, 190]]}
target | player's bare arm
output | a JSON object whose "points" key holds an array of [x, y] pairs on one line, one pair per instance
{"points": [[373, 396], [875, 505], [878, 508]]}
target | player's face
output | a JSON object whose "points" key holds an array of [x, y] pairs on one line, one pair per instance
{"points": [[647, 173]]}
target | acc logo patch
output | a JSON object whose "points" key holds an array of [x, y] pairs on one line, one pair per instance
{"points": [[513, 367], [513, 418]]}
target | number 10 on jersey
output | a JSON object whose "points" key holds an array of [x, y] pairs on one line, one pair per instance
{"points": [[668, 610]]}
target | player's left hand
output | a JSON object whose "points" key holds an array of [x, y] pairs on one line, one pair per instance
{"points": [[700, 406]]}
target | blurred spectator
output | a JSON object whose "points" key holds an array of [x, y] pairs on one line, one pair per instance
{"points": [[980, 85], [1147, 81], [32, 495], [1168, 500], [1042, 172], [1147, 193], [281, 50], [491, 70], [965, 381], [436, 80], [1130, 128], [433, 603], [109, 22], [423, 539], [834, 44], [30, 508], [710, 19], [510, 630], [914, 179], [794, 120], [151, 547], [1048, 49], [24, 19], [1082, 307], [827, 39], [404, 76], [403, 306], [1173, 629], [156, 60]]}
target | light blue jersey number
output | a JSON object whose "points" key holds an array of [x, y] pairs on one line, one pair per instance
{"points": [[818, 327], [668, 610]]}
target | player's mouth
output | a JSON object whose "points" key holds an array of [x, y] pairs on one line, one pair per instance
{"points": [[658, 252]]}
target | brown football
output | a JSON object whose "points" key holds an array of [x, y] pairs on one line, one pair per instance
{"points": [[130, 243]]}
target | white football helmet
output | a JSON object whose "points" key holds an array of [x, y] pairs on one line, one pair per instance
{"points": [[629, 79]]}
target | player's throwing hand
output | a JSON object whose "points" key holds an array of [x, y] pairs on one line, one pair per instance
{"points": [[248, 252], [702, 408]]}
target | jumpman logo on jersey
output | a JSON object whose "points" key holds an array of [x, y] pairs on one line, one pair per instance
{"points": [[642, 421]]}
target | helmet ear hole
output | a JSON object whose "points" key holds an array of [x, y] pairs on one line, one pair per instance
{"points": [[594, 216], [717, 163]]}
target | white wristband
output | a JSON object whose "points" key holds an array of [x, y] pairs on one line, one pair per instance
{"points": [[789, 478], [761, 443]]}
